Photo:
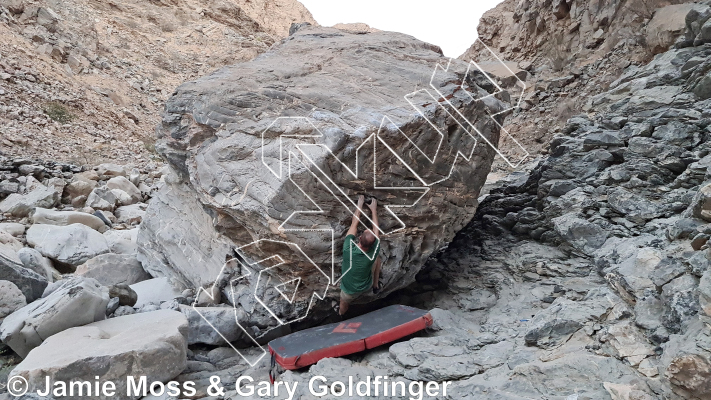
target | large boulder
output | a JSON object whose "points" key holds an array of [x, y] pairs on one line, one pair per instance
{"points": [[70, 245], [150, 344], [112, 269], [64, 218], [12, 269], [75, 302], [239, 174]]}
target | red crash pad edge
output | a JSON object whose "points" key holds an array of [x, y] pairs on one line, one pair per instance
{"points": [[355, 346]]}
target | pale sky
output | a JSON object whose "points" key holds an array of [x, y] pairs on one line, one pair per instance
{"points": [[450, 24]]}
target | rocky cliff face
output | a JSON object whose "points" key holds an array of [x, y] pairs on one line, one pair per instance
{"points": [[85, 82], [569, 51], [277, 150]]}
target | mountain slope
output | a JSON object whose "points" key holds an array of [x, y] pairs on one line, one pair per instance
{"points": [[569, 51], [84, 81]]}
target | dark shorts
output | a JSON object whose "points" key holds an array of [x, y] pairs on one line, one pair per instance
{"points": [[348, 298]]}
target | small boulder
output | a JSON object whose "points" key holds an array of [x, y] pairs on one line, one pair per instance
{"points": [[122, 198], [629, 342], [124, 310], [20, 205], [124, 293], [13, 228], [113, 269], [70, 245], [34, 260], [705, 293], [206, 322], [10, 241], [123, 184], [701, 205], [581, 234], [12, 269], [131, 214], [557, 323], [634, 207], [122, 242], [703, 88], [11, 299], [47, 17], [79, 186], [64, 218], [110, 170], [602, 139], [112, 306], [102, 198], [75, 302]]}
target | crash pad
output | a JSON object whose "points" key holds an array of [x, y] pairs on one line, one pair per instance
{"points": [[367, 331]]}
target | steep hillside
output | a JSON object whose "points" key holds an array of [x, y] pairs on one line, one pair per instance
{"points": [[84, 81], [569, 51]]}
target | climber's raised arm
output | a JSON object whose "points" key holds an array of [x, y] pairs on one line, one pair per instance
{"points": [[356, 217]]}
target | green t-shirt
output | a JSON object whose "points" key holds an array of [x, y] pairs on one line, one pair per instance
{"points": [[356, 269]]}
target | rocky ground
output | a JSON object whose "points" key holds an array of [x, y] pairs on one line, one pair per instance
{"points": [[585, 275]]}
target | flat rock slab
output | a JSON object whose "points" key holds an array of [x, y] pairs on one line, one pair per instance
{"points": [[154, 291], [64, 218], [150, 344]]}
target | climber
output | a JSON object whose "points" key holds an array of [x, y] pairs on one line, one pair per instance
{"points": [[360, 270]]}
